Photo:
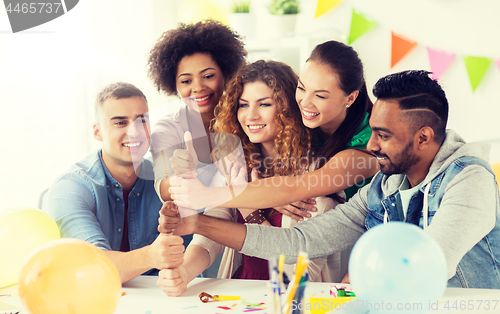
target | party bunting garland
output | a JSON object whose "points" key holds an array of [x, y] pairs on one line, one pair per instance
{"points": [[401, 46], [324, 6], [359, 25], [440, 61], [476, 68]]}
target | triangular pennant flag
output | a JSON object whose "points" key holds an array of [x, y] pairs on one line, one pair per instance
{"points": [[400, 47], [498, 63], [476, 68], [359, 26], [440, 61], [324, 6]]}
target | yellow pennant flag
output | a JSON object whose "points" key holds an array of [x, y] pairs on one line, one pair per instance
{"points": [[324, 6]]}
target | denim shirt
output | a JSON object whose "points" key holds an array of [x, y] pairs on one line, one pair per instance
{"points": [[87, 203], [480, 266]]}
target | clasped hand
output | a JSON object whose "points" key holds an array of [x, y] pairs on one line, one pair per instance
{"points": [[173, 281], [170, 220]]}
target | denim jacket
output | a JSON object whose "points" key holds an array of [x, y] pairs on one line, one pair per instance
{"points": [[480, 266], [87, 203]]}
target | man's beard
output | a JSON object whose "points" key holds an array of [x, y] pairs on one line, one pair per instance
{"points": [[406, 160]]}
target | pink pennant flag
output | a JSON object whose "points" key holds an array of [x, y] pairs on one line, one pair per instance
{"points": [[440, 61], [498, 63]]}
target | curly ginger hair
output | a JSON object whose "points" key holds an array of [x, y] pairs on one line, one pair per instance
{"points": [[292, 143]]}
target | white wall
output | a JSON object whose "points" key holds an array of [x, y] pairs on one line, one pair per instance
{"points": [[49, 75]]}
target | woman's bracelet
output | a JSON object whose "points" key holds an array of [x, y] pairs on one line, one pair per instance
{"points": [[256, 217]]}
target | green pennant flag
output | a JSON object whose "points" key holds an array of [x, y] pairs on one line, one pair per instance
{"points": [[359, 26], [476, 68]]}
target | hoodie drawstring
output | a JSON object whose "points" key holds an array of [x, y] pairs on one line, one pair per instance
{"points": [[425, 208]]}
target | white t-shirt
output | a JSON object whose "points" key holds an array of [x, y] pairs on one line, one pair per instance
{"points": [[406, 193]]}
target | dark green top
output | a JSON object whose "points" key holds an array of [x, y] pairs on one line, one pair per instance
{"points": [[359, 141]]}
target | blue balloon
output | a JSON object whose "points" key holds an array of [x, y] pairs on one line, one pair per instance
{"points": [[397, 267]]}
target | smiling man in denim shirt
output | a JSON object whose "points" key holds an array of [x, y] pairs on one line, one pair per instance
{"points": [[106, 198]]}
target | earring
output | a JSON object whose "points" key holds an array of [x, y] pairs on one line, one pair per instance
{"points": [[347, 106]]}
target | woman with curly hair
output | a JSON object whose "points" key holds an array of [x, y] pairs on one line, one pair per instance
{"points": [[275, 152], [192, 61], [260, 108]]}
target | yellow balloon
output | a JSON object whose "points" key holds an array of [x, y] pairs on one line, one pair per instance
{"points": [[496, 170], [193, 11], [69, 276], [22, 230]]}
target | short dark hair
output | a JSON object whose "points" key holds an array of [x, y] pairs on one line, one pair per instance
{"points": [[208, 36], [418, 94], [116, 90]]}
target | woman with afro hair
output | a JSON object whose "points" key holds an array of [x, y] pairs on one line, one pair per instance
{"points": [[194, 62]]}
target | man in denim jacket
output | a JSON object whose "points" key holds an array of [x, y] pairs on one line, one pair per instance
{"points": [[419, 160], [105, 200]]}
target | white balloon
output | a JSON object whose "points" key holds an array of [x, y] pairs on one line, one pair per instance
{"points": [[397, 266]]}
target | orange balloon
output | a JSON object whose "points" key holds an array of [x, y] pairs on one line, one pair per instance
{"points": [[69, 276]]}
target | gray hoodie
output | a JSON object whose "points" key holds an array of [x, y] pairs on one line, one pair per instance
{"points": [[467, 213]]}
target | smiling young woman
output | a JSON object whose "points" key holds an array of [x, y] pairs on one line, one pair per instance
{"points": [[192, 61]]}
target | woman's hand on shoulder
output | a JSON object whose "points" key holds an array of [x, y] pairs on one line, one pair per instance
{"points": [[298, 210]]}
